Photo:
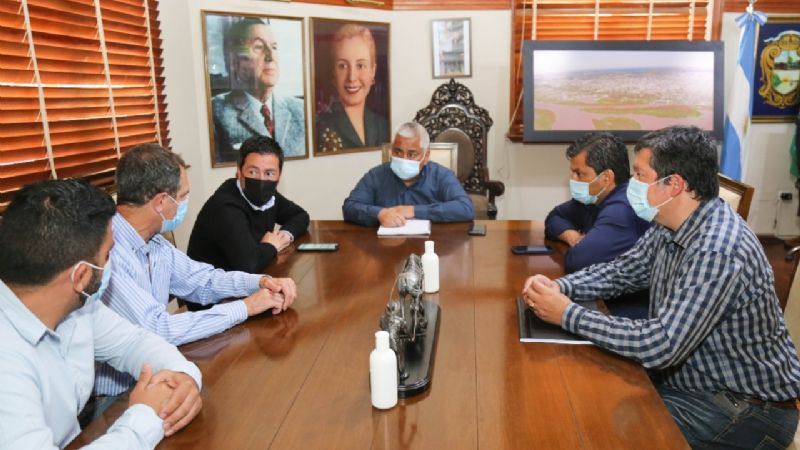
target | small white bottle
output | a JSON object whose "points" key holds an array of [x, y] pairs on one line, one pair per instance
{"points": [[430, 266], [383, 373]]}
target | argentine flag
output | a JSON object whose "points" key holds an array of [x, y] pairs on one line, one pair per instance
{"points": [[740, 101]]}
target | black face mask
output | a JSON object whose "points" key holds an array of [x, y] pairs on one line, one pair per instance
{"points": [[259, 191]]}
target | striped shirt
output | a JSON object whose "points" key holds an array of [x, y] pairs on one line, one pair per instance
{"points": [[146, 273], [715, 322]]}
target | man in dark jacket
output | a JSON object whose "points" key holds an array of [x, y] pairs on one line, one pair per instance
{"points": [[598, 223], [235, 230]]}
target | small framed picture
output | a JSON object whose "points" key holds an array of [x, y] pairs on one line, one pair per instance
{"points": [[452, 48]]}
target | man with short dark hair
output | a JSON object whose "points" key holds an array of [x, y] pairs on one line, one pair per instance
{"points": [[715, 342], [597, 223], [253, 107], [235, 228], [410, 186], [152, 197], [54, 265]]}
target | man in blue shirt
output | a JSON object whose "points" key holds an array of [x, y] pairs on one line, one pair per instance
{"points": [[598, 223], [715, 342], [410, 186], [54, 265], [152, 196]]}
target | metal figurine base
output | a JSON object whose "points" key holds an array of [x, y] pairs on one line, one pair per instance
{"points": [[420, 354]]}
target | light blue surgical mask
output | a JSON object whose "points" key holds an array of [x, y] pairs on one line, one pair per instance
{"points": [[171, 224], [579, 190], [637, 197], [98, 294], [405, 169]]}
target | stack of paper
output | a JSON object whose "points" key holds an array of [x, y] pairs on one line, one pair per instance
{"points": [[413, 227]]}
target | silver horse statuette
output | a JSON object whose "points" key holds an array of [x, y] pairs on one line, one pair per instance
{"points": [[404, 317]]}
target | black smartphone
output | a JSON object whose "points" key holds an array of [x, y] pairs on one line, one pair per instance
{"points": [[531, 249], [318, 247], [476, 229]]}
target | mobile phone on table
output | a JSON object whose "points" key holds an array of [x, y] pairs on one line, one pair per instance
{"points": [[531, 249], [476, 229], [318, 247]]}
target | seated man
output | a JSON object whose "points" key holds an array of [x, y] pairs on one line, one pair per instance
{"points": [[715, 343], [153, 196], [598, 223], [54, 248], [410, 186], [235, 228]]}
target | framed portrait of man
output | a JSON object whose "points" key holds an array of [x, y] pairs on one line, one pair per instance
{"points": [[350, 79], [255, 83]]}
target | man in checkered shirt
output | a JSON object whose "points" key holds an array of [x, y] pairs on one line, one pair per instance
{"points": [[715, 343]]}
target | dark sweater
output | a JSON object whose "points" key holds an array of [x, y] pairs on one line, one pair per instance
{"points": [[227, 233]]}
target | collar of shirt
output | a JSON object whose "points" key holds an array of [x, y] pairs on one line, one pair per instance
{"points": [[126, 235], [689, 229], [20, 317], [263, 207]]}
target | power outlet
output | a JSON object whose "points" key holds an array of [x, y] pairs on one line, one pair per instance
{"points": [[785, 196]]}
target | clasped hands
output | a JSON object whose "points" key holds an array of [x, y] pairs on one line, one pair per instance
{"points": [[174, 396], [275, 293], [545, 298], [395, 216]]}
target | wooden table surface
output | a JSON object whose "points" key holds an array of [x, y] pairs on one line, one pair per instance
{"points": [[300, 380]]}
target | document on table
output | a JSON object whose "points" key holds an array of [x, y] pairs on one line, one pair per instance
{"points": [[413, 227]]}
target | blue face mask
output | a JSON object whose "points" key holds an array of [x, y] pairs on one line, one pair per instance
{"points": [[171, 224], [579, 190], [637, 197], [98, 294], [405, 169]]}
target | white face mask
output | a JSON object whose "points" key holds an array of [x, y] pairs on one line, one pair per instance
{"points": [[405, 169], [579, 190], [637, 197]]}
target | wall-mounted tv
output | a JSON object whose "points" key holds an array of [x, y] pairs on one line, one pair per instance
{"points": [[627, 87]]}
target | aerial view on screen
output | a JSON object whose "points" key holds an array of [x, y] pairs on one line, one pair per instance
{"points": [[622, 89]]}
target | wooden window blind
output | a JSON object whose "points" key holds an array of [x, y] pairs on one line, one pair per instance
{"points": [[80, 83], [600, 20]]}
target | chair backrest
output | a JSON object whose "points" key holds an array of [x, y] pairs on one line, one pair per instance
{"points": [[452, 116], [739, 195], [444, 153]]}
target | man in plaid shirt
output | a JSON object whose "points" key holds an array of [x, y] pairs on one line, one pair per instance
{"points": [[715, 342]]}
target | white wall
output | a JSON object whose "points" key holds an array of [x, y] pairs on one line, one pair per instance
{"points": [[534, 175]]}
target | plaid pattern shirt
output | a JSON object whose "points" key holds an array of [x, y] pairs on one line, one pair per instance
{"points": [[714, 324]]}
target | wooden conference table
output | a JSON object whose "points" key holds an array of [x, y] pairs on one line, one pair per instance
{"points": [[300, 380]]}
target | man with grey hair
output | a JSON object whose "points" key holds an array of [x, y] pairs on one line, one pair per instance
{"points": [[410, 186], [152, 197]]}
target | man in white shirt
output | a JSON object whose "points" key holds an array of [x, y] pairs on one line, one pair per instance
{"points": [[55, 240]]}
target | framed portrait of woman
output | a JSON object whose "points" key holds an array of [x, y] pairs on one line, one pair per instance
{"points": [[255, 83], [350, 80]]}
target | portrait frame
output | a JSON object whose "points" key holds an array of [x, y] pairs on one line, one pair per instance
{"points": [[232, 87], [776, 81], [333, 132], [575, 87], [451, 47]]}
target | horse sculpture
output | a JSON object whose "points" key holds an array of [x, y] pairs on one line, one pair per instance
{"points": [[404, 317]]}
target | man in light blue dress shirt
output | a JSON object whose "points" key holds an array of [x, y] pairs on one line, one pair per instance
{"points": [[152, 196], [54, 253]]}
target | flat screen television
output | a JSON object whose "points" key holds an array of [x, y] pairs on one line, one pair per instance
{"points": [[627, 87]]}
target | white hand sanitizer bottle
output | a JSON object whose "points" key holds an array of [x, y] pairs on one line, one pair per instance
{"points": [[430, 266], [383, 373]]}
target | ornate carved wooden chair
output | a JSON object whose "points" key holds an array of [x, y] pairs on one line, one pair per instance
{"points": [[452, 116]]}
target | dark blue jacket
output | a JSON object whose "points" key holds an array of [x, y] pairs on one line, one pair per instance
{"points": [[610, 228]]}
